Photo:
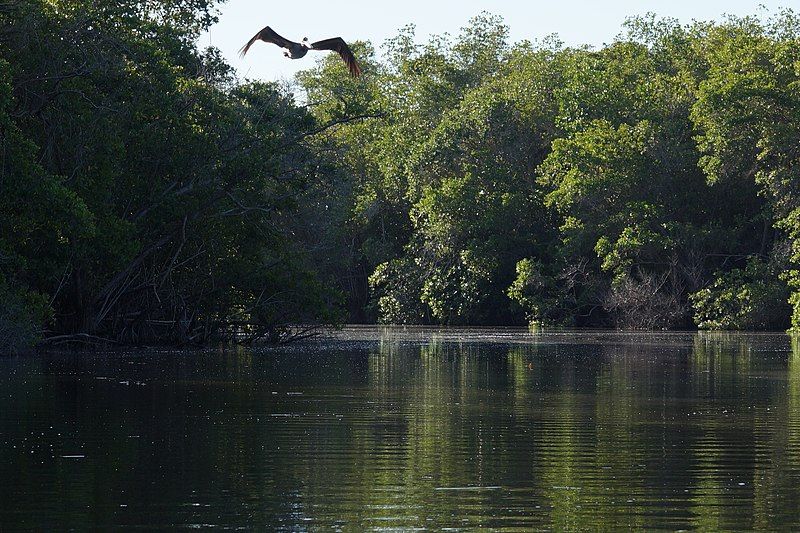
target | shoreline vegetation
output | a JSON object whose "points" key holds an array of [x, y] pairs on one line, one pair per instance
{"points": [[148, 196]]}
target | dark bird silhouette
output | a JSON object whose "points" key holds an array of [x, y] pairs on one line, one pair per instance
{"points": [[299, 50]]}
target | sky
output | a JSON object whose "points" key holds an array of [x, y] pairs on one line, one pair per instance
{"points": [[576, 22]]}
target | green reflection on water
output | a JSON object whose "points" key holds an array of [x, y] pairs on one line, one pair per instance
{"points": [[552, 432]]}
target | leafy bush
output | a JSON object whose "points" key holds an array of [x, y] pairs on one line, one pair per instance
{"points": [[22, 317], [753, 298], [535, 291]]}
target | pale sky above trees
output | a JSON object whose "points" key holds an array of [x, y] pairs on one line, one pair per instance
{"points": [[575, 21]]}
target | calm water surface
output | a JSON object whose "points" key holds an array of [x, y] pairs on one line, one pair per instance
{"points": [[410, 429]]}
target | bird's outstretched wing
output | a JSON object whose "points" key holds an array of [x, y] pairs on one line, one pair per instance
{"points": [[267, 35], [338, 45]]}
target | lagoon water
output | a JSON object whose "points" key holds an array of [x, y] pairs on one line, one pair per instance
{"points": [[386, 429]]}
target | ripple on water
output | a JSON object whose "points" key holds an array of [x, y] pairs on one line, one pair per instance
{"points": [[410, 428]]}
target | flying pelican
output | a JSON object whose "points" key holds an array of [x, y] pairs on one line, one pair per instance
{"points": [[298, 50]]}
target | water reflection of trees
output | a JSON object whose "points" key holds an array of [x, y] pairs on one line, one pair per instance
{"points": [[577, 436]]}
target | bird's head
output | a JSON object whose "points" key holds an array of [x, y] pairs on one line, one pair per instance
{"points": [[306, 43]]}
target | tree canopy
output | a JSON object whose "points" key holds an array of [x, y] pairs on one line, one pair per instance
{"points": [[636, 185], [148, 190], [151, 196]]}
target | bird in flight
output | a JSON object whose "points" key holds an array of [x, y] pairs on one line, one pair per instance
{"points": [[299, 50]]}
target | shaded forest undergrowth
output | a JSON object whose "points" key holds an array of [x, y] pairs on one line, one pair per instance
{"points": [[149, 196]]}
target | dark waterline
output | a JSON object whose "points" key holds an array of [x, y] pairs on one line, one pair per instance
{"points": [[399, 428]]}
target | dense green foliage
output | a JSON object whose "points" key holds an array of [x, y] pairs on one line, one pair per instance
{"points": [[146, 195], [647, 184], [149, 196]]}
